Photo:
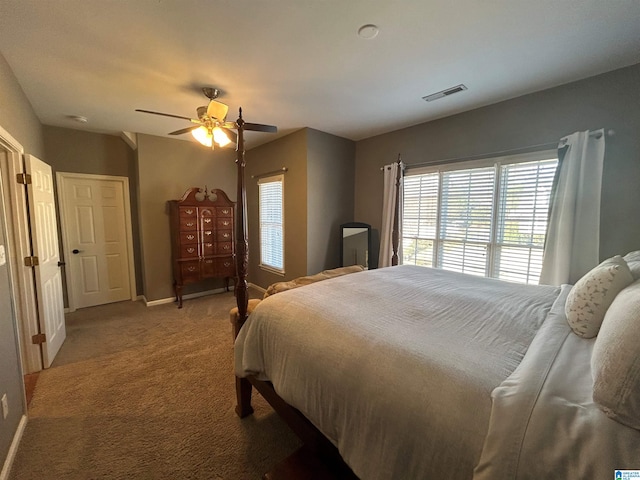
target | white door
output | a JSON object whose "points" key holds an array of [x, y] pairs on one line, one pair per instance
{"points": [[95, 232], [44, 239]]}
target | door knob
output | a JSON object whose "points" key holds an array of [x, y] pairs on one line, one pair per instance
{"points": [[75, 251], [61, 264]]}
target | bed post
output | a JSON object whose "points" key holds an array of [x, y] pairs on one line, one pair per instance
{"points": [[243, 387], [395, 235]]}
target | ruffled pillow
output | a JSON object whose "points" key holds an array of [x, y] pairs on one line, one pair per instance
{"points": [[591, 296], [633, 260], [615, 362]]}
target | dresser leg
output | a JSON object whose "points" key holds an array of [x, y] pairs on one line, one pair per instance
{"points": [[178, 290]]}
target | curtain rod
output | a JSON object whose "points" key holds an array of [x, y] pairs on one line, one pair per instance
{"points": [[266, 174], [513, 151]]}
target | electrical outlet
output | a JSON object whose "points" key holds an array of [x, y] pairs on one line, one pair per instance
{"points": [[5, 406]]}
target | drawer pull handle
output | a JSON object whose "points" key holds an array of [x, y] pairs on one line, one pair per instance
{"points": [[191, 250], [189, 211], [227, 264], [207, 220], [225, 235], [208, 261], [190, 237], [225, 223], [189, 224], [209, 244], [208, 232], [192, 269], [226, 247], [225, 211]]}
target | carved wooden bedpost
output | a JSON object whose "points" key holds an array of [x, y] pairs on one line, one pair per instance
{"points": [[243, 387], [395, 235]]}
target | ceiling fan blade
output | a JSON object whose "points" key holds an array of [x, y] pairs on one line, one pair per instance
{"points": [[258, 127], [166, 115], [184, 130]]}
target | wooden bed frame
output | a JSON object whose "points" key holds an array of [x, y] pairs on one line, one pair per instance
{"points": [[312, 438]]}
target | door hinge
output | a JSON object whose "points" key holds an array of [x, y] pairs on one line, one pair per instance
{"points": [[23, 178], [31, 261], [39, 339]]}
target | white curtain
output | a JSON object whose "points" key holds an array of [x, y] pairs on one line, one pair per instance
{"points": [[388, 213], [572, 246]]}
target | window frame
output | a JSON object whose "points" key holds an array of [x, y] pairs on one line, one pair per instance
{"points": [[491, 269], [265, 266]]}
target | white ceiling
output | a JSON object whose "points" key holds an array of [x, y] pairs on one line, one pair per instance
{"points": [[300, 63]]}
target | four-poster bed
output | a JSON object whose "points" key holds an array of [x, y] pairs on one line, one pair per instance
{"points": [[410, 372]]}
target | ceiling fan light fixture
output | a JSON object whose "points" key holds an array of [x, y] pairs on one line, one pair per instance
{"points": [[220, 137], [201, 134]]}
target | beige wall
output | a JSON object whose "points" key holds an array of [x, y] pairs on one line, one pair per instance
{"points": [[330, 197], [166, 169], [78, 151], [290, 152], [607, 101]]}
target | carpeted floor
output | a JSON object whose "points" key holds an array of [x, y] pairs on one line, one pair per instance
{"points": [[147, 392]]}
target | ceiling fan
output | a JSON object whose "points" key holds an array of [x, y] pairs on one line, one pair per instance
{"points": [[211, 126]]}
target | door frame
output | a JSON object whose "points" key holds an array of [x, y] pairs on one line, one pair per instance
{"points": [[61, 178], [19, 246]]}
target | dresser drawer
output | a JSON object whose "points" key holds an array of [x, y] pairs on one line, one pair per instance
{"points": [[208, 236], [190, 270], [207, 222], [187, 211], [224, 223], [225, 266], [189, 251], [224, 212], [224, 235], [188, 224], [208, 248], [224, 248], [188, 238], [208, 267]]}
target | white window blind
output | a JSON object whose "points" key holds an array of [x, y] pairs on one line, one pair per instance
{"points": [[271, 198], [488, 220]]}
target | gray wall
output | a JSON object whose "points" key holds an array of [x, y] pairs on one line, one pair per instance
{"points": [[607, 101], [330, 197], [290, 152], [10, 376], [166, 169], [20, 121], [77, 151]]}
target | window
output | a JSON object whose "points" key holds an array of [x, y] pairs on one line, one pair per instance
{"points": [[488, 219], [271, 195]]}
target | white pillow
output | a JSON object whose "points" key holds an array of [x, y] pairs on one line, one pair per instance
{"points": [[615, 362], [590, 297], [633, 260]]}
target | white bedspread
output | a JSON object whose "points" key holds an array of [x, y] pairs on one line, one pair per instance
{"points": [[544, 423], [396, 366]]}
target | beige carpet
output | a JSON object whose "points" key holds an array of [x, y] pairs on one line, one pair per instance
{"points": [[147, 392]]}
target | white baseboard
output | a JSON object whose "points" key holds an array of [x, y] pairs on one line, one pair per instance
{"points": [[6, 468], [162, 301], [258, 287]]}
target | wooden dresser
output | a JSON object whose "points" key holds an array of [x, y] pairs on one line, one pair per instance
{"points": [[202, 243]]}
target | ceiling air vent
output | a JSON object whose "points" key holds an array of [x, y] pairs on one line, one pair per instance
{"points": [[444, 93]]}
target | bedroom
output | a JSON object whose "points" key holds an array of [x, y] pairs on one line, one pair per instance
{"points": [[608, 100]]}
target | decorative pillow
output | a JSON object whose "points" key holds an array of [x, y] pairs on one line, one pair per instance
{"points": [[633, 260], [590, 297], [615, 362]]}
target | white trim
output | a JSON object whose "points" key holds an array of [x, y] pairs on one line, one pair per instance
{"points": [[19, 246], [61, 177], [13, 449], [162, 301], [258, 288]]}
